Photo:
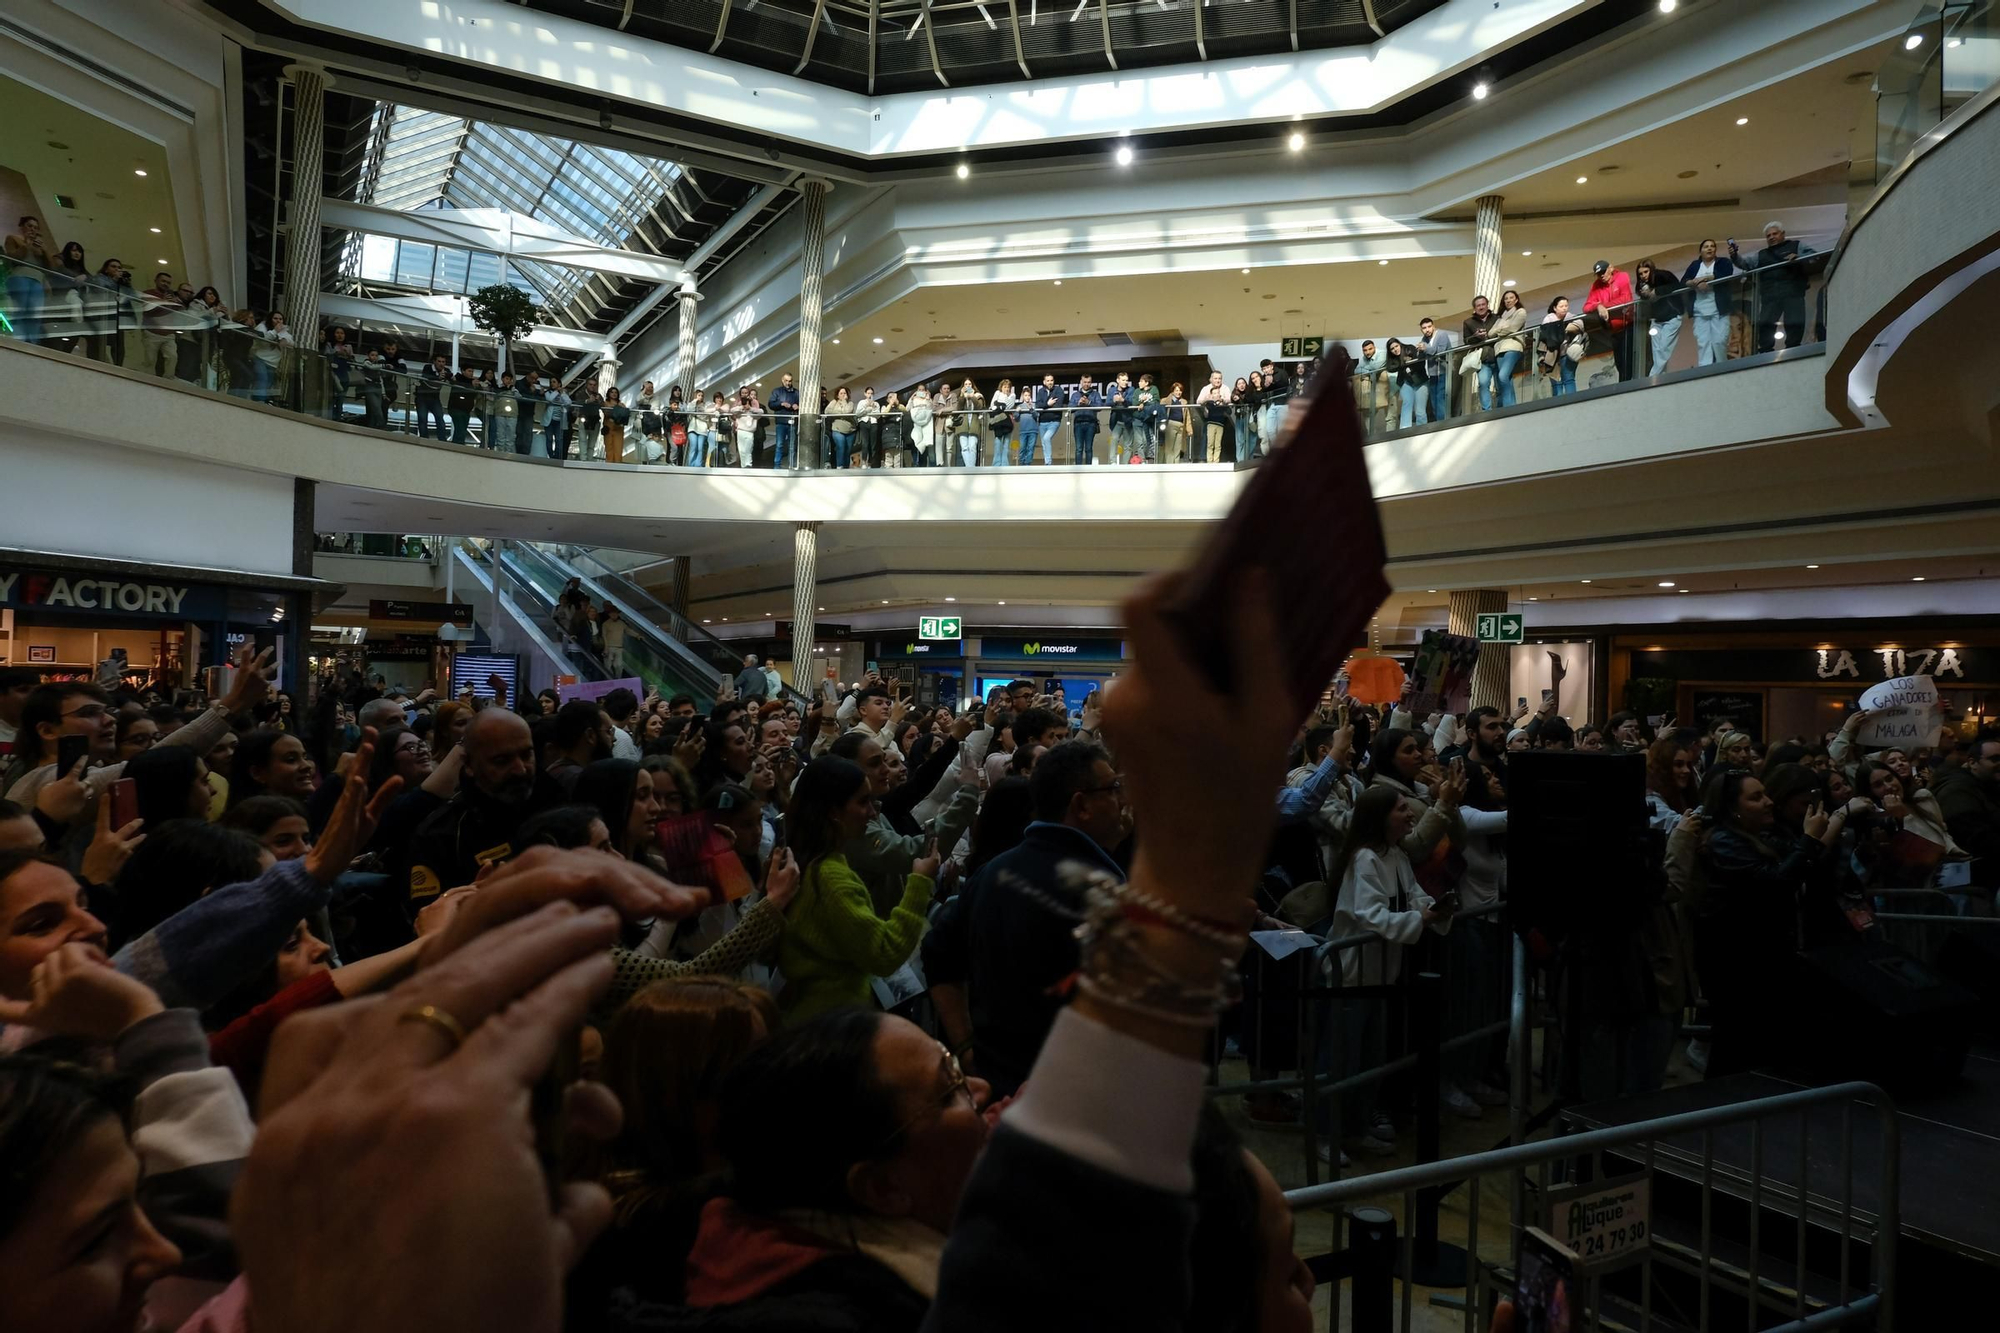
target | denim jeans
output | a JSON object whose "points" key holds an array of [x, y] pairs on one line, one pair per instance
{"points": [[1048, 431], [24, 306], [1666, 337], [1024, 452], [968, 449], [502, 432], [429, 410], [1363, 1043], [1085, 433], [1003, 436], [1563, 382], [843, 447], [1273, 417], [1503, 375], [1246, 441], [784, 433], [1416, 405], [1440, 388]]}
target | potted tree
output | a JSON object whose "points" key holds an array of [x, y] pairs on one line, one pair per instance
{"points": [[506, 312]]}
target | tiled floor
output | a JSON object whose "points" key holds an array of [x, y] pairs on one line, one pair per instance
{"points": [[1281, 1148]]}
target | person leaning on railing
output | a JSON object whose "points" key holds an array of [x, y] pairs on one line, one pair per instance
{"points": [[1610, 299], [1662, 308], [1783, 272], [1374, 390], [1711, 301], [27, 264]]}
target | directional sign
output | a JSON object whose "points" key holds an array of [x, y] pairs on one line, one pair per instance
{"points": [[1495, 627], [1292, 348], [939, 627]]}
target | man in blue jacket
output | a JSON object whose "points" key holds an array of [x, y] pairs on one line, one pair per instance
{"points": [[1000, 948], [1049, 404], [1782, 276], [1124, 400], [784, 408], [1084, 424]]}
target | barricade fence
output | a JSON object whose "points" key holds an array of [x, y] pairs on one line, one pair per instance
{"points": [[1809, 1259], [1401, 385]]}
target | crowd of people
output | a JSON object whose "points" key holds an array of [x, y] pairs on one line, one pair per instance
{"points": [[859, 993]]}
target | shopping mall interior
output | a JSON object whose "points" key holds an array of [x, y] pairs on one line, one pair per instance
{"points": [[504, 354]]}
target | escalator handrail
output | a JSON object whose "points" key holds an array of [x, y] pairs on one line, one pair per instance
{"points": [[636, 620], [570, 654], [505, 596]]}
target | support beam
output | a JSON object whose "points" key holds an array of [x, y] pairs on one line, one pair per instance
{"points": [[445, 315], [721, 25], [874, 22], [1014, 26], [805, 571], [499, 231], [930, 40], [812, 35], [1368, 14], [1201, 37], [302, 237], [1104, 23], [812, 266], [1293, 22], [1491, 671]]}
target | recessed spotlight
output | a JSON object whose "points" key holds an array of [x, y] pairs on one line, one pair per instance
{"points": [[1508, 283], [154, 230], [1583, 180], [885, 601], [1296, 143], [1124, 156], [1058, 282], [1910, 43], [1527, 253], [163, 263], [1955, 43], [963, 171], [1918, 579], [1584, 580], [1534, 599], [725, 620], [1669, 6], [951, 599], [1246, 270], [1430, 589], [140, 171], [822, 608], [1743, 120], [1383, 262], [1003, 603], [836, 342], [704, 620], [878, 342], [1666, 583], [1478, 92]]}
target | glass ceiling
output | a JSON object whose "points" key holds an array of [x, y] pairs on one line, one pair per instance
{"points": [[420, 159]]}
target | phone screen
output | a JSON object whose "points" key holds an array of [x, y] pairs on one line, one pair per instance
{"points": [[1545, 1286], [69, 749]]}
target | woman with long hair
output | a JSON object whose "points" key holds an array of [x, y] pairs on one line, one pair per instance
{"points": [[836, 941], [1507, 350], [1670, 783], [1003, 820], [271, 761], [1557, 337]]}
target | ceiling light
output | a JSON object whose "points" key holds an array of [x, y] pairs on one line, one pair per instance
{"points": [[1582, 180], [963, 171], [1910, 43], [822, 608], [1534, 599], [1508, 283], [836, 342], [1585, 580], [1526, 253], [878, 342], [1296, 143], [1743, 120], [1430, 589], [1812, 566], [1687, 590], [1383, 262], [704, 620], [154, 230], [1246, 270], [1666, 583], [1478, 92], [140, 171], [163, 263], [1058, 282], [1955, 43], [1003, 603], [1124, 156], [1918, 579], [951, 599], [1669, 6]]}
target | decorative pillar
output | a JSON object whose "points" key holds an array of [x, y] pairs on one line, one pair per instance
{"points": [[684, 368], [1486, 256], [812, 262], [805, 565], [302, 239], [1490, 676], [678, 598], [607, 370]]}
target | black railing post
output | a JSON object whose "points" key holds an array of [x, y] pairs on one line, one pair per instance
{"points": [[1371, 1248], [1434, 1263]]}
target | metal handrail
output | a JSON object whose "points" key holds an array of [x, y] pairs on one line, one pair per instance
{"points": [[1517, 1158]]}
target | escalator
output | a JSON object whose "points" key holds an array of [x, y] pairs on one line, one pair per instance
{"points": [[666, 665], [518, 620]]}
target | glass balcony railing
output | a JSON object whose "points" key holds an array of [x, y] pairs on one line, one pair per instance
{"points": [[1540, 355]]}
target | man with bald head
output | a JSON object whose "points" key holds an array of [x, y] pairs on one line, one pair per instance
{"points": [[500, 789]]}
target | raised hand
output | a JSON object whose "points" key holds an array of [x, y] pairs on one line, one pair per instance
{"points": [[354, 817], [781, 877], [77, 993], [109, 848]]}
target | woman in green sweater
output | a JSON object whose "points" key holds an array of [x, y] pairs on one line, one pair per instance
{"points": [[834, 942]]}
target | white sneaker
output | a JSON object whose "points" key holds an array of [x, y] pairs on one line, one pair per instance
{"points": [[1326, 1154], [1459, 1104], [1697, 1055], [1485, 1093], [1367, 1145]]}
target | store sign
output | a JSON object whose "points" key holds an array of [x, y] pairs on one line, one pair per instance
{"points": [[1840, 663], [80, 592], [939, 627], [915, 648], [402, 615], [1053, 650], [1603, 1223]]}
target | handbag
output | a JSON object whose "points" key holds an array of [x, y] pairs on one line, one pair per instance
{"points": [[1574, 348]]}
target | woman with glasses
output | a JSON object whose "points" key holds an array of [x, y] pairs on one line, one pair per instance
{"points": [[840, 1224], [835, 941]]}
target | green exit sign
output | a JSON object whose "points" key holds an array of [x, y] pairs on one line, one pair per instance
{"points": [[1294, 348], [1500, 628], [938, 627]]}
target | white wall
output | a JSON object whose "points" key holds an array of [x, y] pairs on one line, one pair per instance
{"points": [[75, 496]]}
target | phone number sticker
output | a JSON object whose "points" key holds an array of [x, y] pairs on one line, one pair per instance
{"points": [[1605, 1222]]}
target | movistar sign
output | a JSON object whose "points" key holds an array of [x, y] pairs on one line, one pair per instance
{"points": [[1045, 649], [1075, 650]]}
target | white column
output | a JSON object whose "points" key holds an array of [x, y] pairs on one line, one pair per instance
{"points": [[1486, 241], [302, 238], [805, 565], [607, 369], [684, 367], [812, 263]]}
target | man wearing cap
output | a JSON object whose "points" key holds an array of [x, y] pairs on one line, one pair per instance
{"points": [[1782, 273], [1610, 299]]}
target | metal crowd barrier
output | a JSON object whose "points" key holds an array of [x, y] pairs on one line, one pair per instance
{"points": [[1378, 1252]]}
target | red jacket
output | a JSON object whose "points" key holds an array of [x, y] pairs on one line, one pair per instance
{"points": [[1611, 295]]}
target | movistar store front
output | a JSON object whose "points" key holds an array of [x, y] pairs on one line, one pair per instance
{"points": [[1079, 665], [932, 669]]}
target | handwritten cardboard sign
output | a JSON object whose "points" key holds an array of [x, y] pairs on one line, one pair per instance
{"points": [[1904, 712]]}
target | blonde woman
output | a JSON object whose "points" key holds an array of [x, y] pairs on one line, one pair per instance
{"points": [[971, 406], [746, 428]]}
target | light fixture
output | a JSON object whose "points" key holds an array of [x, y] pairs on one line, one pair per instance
{"points": [[1246, 270], [1124, 156], [963, 171], [1478, 92], [154, 230], [1383, 262], [1058, 282], [836, 342], [1918, 579], [1910, 43], [1003, 603], [1669, 6], [1666, 583], [878, 342], [885, 601], [704, 620], [1585, 580], [1955, 43], [1526, 254], [1812, 566], [1779, 336], [1743, 120], [140, 171], [822, 608], [1583, 180], [1508, 283], [951, 599], [163, 263], [1534, 599], [1687, 590], [1296, 143], [1430, 589]]}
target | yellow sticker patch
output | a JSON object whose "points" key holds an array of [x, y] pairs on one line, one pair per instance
{"points": [[493, 855], [424, 883]]}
